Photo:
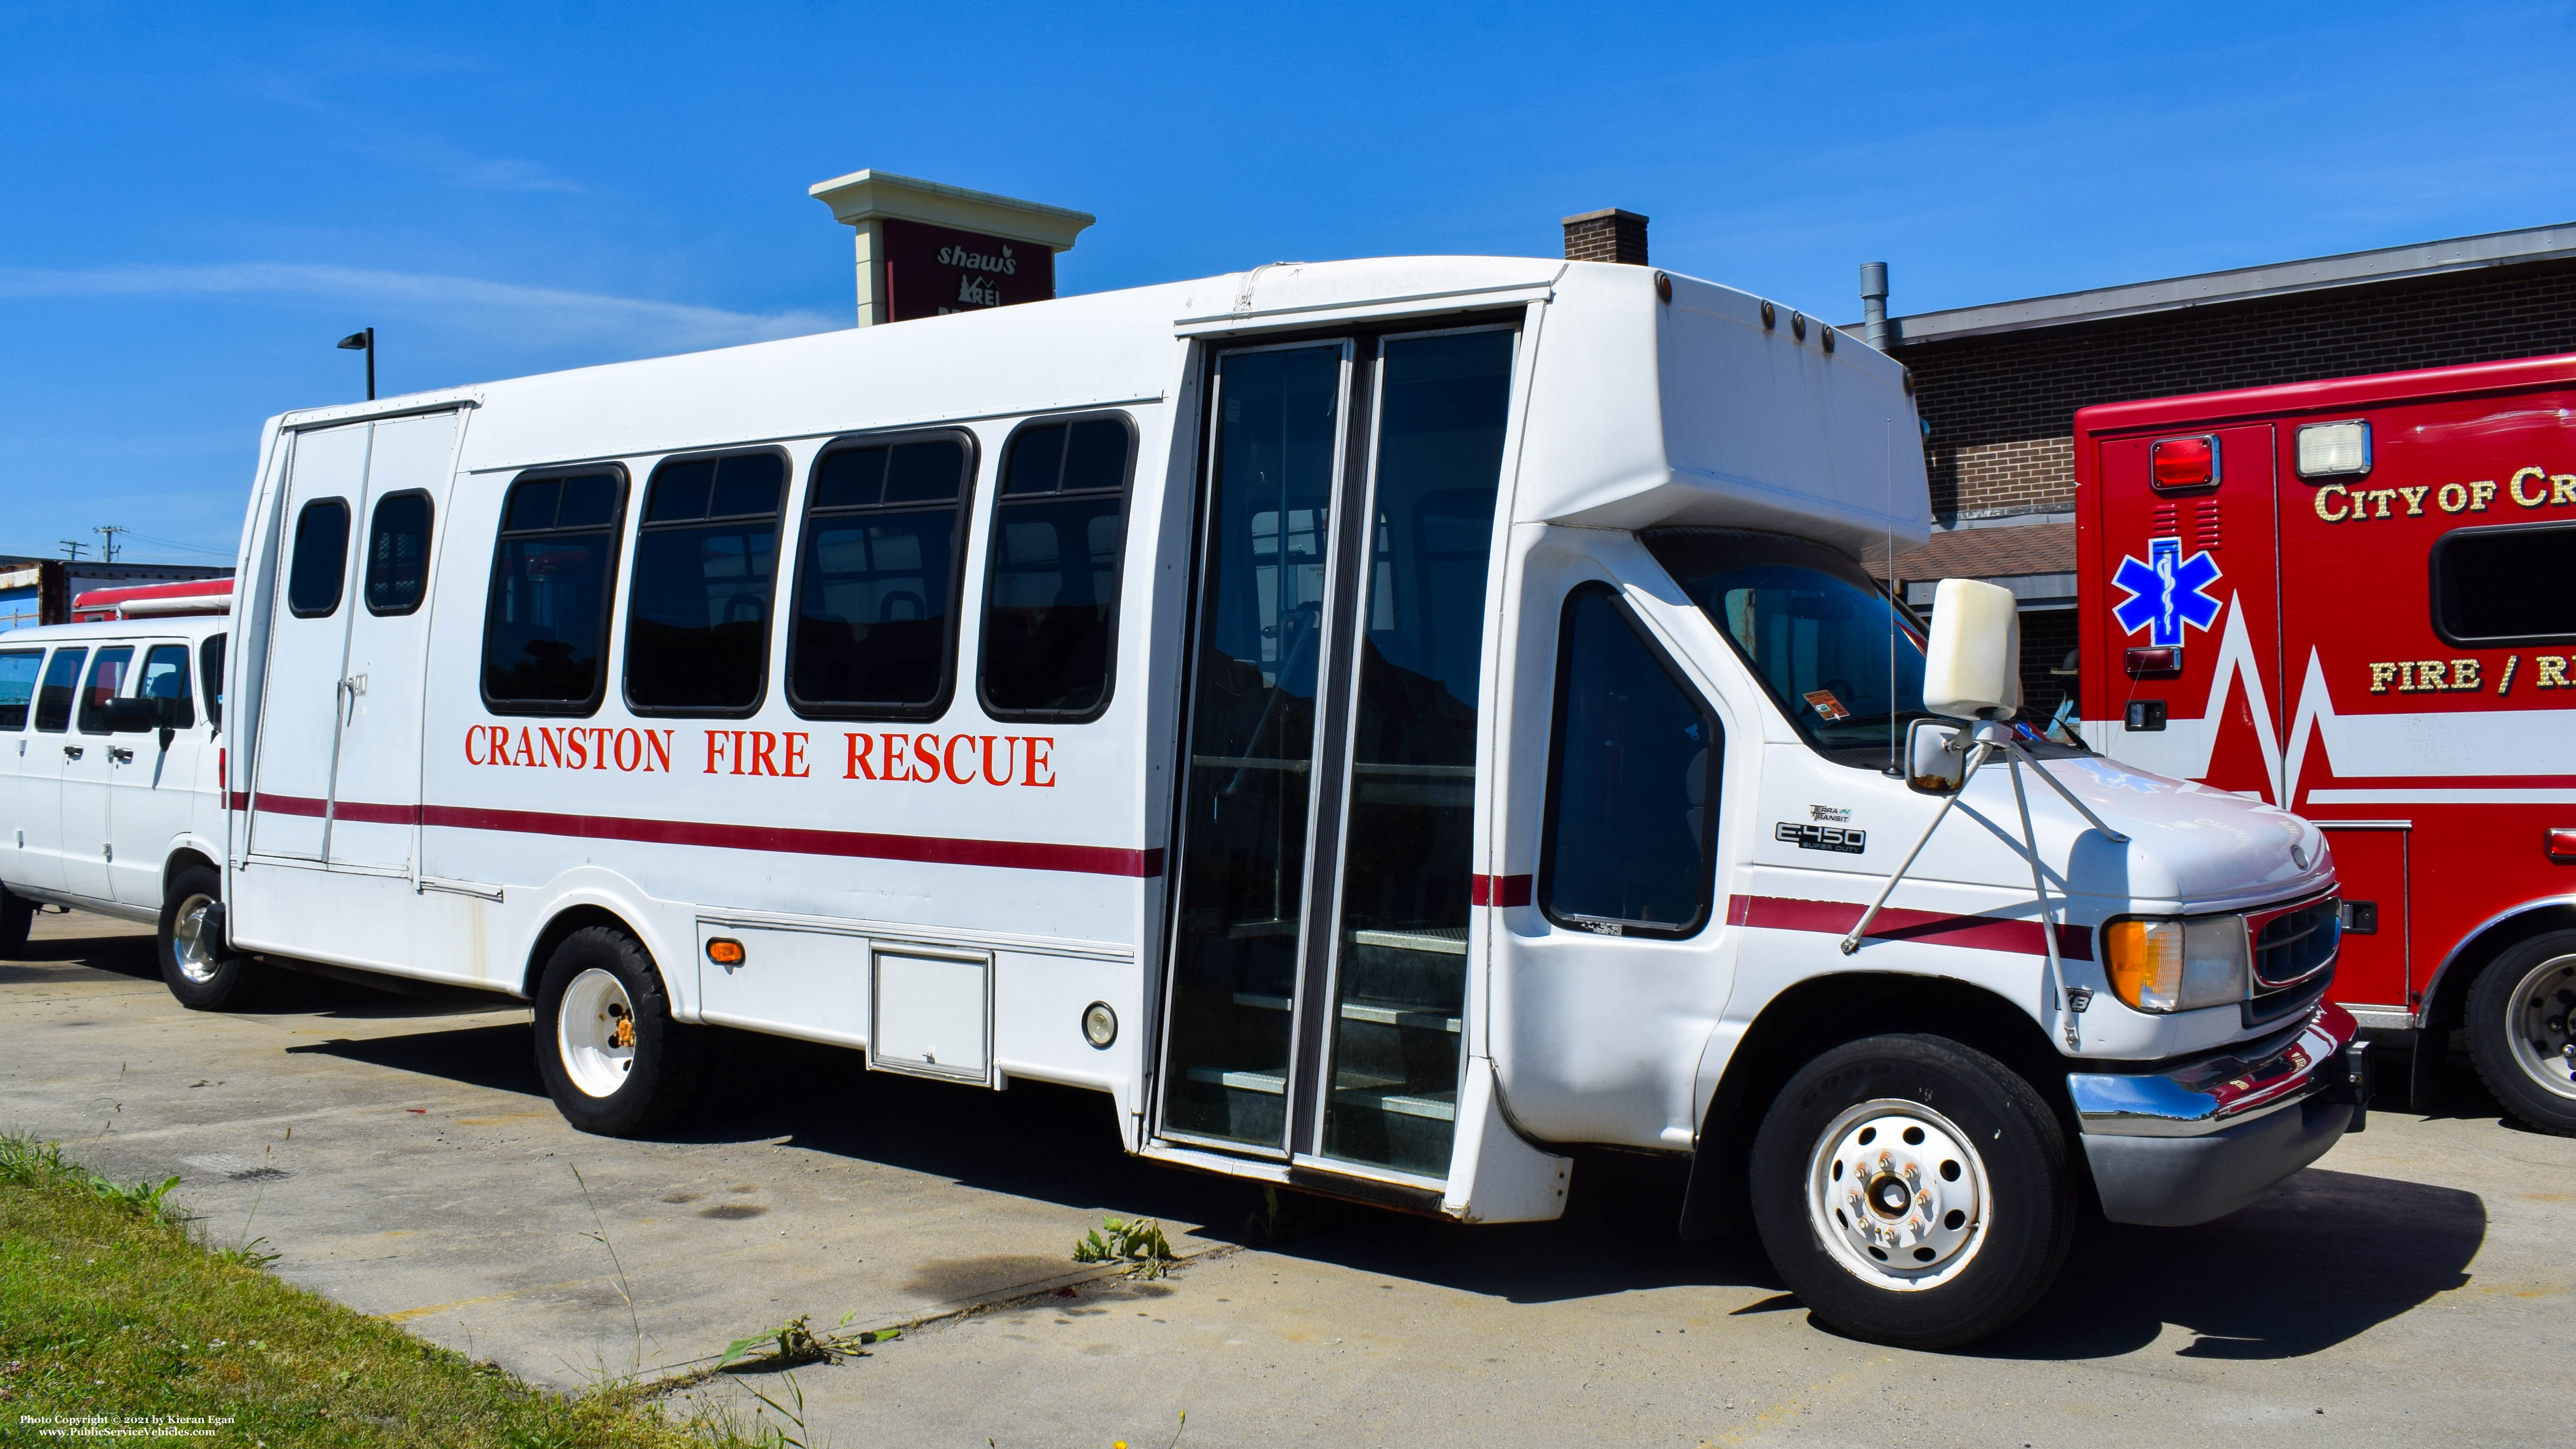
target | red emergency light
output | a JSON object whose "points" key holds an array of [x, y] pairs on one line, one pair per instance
{"points": [[2562, 845], [2184, 462]]}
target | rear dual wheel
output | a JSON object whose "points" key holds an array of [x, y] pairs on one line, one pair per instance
{"points": [[1913, 1191], [613, 1059]]}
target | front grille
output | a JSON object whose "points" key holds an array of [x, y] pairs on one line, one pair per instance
{"points": [[2294, 957]]}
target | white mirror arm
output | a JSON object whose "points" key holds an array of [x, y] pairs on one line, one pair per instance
{"points": [[2058, 785], [1860, 928], [2039, 887]]}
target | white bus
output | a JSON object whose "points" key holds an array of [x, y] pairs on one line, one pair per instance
{"points": [[1382, 723]]}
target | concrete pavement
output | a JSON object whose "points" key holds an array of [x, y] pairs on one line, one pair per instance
{"points": [[401, 1156]]}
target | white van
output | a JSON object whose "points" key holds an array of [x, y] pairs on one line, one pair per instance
{"points": [[111, 784], [1384, 723]]}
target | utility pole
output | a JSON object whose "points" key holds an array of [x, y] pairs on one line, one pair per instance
{"points": [[107, 550], [72, 549]]}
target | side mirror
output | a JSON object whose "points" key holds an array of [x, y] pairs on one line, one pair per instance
{"points": [[1936, 757], [1972, 668], [130, 716]]}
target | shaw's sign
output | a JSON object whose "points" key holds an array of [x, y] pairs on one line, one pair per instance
{"points": [[931, 270]]}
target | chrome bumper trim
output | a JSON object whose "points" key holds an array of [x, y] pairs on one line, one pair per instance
{"points": [[2217, 1092]]}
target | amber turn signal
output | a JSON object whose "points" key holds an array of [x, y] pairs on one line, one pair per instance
{"points": [[725, 951]]}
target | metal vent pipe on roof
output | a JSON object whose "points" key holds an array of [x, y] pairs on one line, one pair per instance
{"points": [[1873, 304]]}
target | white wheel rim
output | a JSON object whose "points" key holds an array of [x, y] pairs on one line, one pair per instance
{"points": [[1897, 1196], [188, 948], [595, 1032], [2539, 1023]]}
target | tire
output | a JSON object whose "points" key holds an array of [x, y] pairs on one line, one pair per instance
{"points": [[614, 1061], [17, 918], [205, 975], [2521, 1033], [1938, 1126]]}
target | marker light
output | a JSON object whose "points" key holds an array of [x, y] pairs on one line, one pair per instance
{"points": [[2169, 965], [724, 951], [1099, 1024], [2562, 844], [2334, 450], [2184, 462]]}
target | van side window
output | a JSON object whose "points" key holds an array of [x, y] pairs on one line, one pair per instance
{"points": [[320, 563], [62, 682], [398, 553], [1631, 833], [210, 677], [1051, 585], [876, 587], [165, 676], [106, 678], [545, 629], [705, 573], [2498, 586], [18, 670]]}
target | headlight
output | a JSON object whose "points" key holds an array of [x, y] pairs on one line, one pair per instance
{"points": [[2179, 965]]}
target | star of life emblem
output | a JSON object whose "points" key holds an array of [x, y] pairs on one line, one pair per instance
{"points": [[2166, 592]]}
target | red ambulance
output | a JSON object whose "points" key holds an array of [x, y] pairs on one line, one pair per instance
{"points": [[2356, 600]]}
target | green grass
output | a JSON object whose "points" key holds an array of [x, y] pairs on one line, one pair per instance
{"points": [[109, 1305]]}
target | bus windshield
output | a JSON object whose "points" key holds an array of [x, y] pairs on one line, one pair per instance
{"points": [[1842, 660]]}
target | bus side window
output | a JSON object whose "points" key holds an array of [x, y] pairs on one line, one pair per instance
{"points": [[1631, 832], [1051, 587], [62, 684], [545, 628], [398, 553], [18, 670], [706, 566], [877, 582], [210, 677], [320, 564]]}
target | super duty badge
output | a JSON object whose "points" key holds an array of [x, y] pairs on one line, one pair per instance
{"points": [[1823, 837]]}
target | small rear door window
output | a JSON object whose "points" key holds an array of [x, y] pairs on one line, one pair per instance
{"points": [[320, 564], [398, 553]]}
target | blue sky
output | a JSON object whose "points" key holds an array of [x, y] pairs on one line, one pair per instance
{"points": [[196, 201]]}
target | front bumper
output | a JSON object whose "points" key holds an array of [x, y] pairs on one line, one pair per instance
{"points": [[2173, 1148]]}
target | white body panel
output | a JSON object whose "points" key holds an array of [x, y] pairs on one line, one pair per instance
{"points": [[958, 918]]}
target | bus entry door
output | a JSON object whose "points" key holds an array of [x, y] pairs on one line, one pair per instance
{"points": [[1320, 952]]}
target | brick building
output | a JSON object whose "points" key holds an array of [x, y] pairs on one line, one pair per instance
{"points": [[1998, 385]]}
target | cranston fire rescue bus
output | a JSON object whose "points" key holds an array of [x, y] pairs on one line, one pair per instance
{"points": [[2351, 599], [1383, 723]]}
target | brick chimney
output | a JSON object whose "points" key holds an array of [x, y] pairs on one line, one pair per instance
{"points": [[1606, 236]]}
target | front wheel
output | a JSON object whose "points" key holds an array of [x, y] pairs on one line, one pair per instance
{"points": [[614, 1061], [202, 972], [2522, 1034], [1913, 1191]]}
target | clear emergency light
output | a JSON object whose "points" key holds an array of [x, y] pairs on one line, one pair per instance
{"points": [[2183, 462], [2334, 450]]}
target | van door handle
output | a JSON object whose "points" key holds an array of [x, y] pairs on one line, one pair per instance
{"points": [[71, 752], [120, 754]]}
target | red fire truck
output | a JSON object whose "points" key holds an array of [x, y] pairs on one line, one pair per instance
{"points": [[2356, 600]]}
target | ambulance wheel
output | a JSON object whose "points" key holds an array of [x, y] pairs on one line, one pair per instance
{"points": [[2522, 1031], [614, 1061], [1913, 1191], [17, 917], [202, 972]]}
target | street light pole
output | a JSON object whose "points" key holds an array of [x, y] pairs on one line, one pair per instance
{"points": [[366, 340]]}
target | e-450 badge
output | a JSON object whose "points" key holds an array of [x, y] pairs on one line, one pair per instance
{"points": [[1822, 837]]}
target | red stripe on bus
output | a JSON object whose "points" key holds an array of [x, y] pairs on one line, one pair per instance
{"points": [[1499, 890], [1984, 933], [929, 849]]}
